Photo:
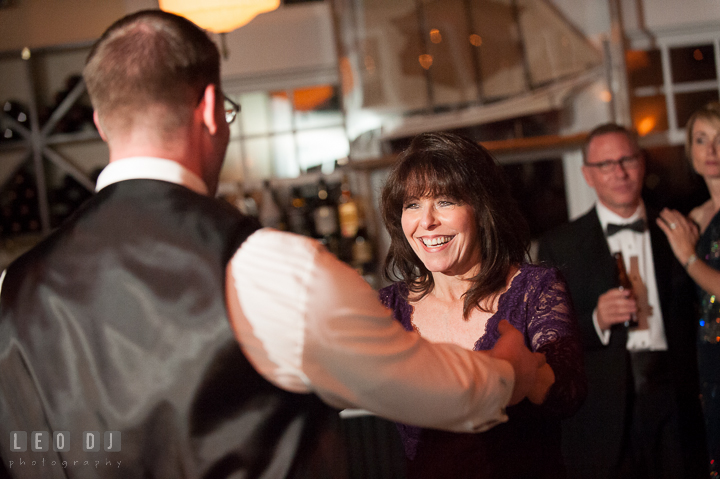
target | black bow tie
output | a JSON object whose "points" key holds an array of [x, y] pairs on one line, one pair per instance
{"points": [[638, 226]]}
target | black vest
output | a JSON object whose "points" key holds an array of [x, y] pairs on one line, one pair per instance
{"points": [[117, 322]]}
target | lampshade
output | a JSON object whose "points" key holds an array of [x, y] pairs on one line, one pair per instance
{"points": [[308, 99], [219, 16]]}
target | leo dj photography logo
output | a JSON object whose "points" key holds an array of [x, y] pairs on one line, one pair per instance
{"points": [[62, 441], [40, 441]]}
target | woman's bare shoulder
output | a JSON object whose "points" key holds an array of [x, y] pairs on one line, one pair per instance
{"points": [[702, 214]]}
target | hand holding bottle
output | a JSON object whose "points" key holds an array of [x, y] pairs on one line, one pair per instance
{"points": [[615, 306], [625, 285]]}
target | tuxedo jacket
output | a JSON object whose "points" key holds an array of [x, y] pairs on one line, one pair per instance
{"points": [[596, 435], [117, 322]]}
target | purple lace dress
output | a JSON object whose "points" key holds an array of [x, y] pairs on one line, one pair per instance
{"points": [[528, 445]]}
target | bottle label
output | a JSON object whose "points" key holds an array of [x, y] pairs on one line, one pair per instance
{"points": [[349, 219]]}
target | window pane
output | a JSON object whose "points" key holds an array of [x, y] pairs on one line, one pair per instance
{"points": [[317, 107], [687, 103], [281, 112], [284, 156], [693, 63], [317, 147], [232, 169], [644, 68], [255, 114], [257, 158], [649, 114]]}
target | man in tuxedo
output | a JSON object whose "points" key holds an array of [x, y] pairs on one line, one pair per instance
{"points": [[187, 341], [642, 417]]}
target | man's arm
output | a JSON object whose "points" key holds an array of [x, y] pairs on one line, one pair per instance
{"points": [[309, 323]]}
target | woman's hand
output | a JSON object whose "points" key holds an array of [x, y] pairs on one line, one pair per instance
{"points": [[681, 232]]}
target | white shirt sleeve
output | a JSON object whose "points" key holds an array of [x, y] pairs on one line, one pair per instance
{"points": [[604, 336], [309, 323]]}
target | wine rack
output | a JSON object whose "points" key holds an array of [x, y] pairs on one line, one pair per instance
{"points": [[38, 140]]}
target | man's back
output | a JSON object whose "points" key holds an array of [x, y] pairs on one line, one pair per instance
{"points": [[118, 323]]}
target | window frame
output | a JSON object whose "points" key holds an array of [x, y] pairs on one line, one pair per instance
{"points": [[664, 42]]}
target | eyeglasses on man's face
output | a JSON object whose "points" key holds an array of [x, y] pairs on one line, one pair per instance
{"points": [[231, 110], [608, 166]]}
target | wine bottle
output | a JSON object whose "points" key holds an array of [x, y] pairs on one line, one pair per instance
{"points": [[349, 217], [297, 214], [270, 214], [363, 256], [624, 283], [325, 218], [17, 111], [348, 211]]}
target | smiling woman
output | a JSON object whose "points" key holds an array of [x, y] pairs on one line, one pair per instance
{"points": [[441, 231], [453, 169], [458, 252]]}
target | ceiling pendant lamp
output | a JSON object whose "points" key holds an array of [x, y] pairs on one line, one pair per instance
{"points": [[219, 16]]}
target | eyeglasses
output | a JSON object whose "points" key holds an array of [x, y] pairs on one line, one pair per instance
{"points": [[231, 110], [607, 166]]}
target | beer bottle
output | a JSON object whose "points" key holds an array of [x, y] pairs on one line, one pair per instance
{"points": [[625, 284]]}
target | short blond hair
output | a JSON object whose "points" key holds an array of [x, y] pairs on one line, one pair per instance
{"points": [[709, 112], [150, 58]]}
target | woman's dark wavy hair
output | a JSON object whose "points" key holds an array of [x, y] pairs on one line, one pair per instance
{"points": [[444, 164]]}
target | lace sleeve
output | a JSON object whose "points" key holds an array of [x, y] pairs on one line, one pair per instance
{"points": [[552, 329]]}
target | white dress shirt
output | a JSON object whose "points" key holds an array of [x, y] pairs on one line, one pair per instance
{"points": [[308, 323], [631, 243]]}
